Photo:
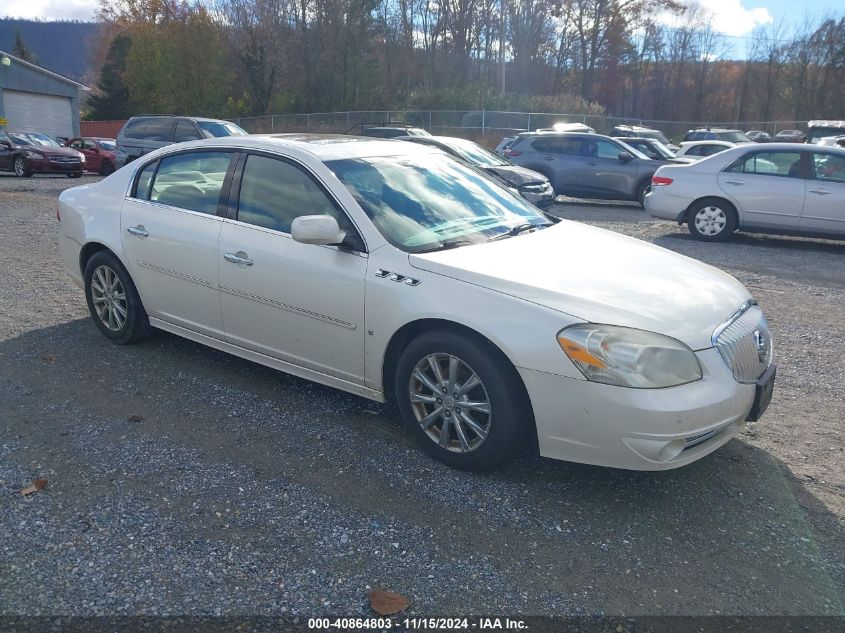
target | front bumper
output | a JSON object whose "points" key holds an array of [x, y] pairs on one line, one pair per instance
{"points": [[542, 199], [638, 429], [54, 167]]}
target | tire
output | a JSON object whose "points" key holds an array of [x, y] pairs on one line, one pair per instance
{"points": [[106, 168], [642, 189], [712, 220], [127, 325], [20, 169], [74, 175], [489, 437]]}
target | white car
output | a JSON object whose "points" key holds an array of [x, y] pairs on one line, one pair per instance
{"points": [[772, 188], [702, 149], [392, 271], [832, 141]]}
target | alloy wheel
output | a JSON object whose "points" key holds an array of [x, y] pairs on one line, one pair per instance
{"points": [[710, 220], [109, 298], [450, 402], [20, 168]]}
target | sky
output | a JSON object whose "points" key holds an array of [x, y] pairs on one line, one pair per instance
{"points": [[735, 19]]}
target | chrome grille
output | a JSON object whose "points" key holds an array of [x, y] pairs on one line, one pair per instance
{"points": [[65, 160], [744, 342]]}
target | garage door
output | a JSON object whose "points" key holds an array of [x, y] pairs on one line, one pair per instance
{"points": [[32, 112]]}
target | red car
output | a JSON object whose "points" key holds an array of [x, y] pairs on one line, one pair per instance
{"points": [[99, 153], [28, 153]]}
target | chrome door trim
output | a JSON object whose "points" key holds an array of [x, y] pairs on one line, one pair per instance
{"points": [[289, 308]]}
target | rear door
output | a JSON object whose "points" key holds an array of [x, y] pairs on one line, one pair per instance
{"points": [[559, 158], [170, 227], [824, 205], [767, 187]]}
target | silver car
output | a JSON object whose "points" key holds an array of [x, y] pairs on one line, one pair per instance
{"points": [[775, 188]]}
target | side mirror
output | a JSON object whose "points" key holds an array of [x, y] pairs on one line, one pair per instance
{"points": [[6, 143], [316, 229], [623, 157]]}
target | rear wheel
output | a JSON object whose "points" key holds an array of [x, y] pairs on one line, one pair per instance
{"points": [[20, 168], [712, 220], [113, 300], [462, 402], [643, 188]]}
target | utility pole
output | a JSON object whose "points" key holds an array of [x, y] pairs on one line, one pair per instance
{"points": [[502, 28]]}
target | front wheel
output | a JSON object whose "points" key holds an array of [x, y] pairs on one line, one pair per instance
{"points": [[461, 400], [642, 190], [712, 220], [106, 168], [113, 300], [74, 175]]}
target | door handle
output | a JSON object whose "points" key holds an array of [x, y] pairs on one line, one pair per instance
{"points": [[138, 231], [239, 258], [735, 182], [593, 163], [821, 192], [548, 158]]}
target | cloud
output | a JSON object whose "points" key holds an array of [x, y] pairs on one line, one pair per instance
{"points": [[732, 18], [50, 9]]}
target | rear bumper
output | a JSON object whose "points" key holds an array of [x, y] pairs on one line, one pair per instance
{"points": [[638, 429], [660, 204]]}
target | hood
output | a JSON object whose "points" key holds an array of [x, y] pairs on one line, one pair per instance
{"points": [[51, 151], [516, 176], [599, 276]]}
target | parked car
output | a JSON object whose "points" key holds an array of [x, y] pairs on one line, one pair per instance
{"points": [[531, 185], [817, 130], [101, 154], [655, 150], [142, 134], [717, 134], [504, 144], [395, 272], [390, 129], [833, 141], [782, 188], [583, 128], [639, 131], [702, 149], [759, 136], [790, 136], [28, 153], [585, 165]]}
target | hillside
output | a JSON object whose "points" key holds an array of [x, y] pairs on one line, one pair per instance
{"points": [[63, 47]]}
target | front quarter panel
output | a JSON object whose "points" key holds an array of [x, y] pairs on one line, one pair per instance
{"points": [[525, 332]]}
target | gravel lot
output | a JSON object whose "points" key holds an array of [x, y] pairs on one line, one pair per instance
{"points": [[186, 481]]}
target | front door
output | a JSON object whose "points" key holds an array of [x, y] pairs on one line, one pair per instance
{"points": [[301, 303], [824, 205], [170, 231], [604, 174], [768, 187]]}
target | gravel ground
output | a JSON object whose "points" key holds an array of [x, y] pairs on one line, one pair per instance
{"points": [[186, 481]]}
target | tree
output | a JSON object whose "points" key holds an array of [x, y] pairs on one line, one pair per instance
{"points": [[111, 101], [21, 50]]}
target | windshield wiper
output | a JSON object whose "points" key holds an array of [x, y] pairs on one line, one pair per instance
{"points": [[519, 228], [447, 244]]}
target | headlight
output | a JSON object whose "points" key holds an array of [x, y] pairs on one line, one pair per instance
{"points": [[627, 357], [81, 156], [33, 155]]}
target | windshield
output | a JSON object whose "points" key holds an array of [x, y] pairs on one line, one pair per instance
{"points": [[31, 138], [475, 154], [734, 136], [107, 145], [816, 133], [429, 202], [657, 135], [220, 128]]}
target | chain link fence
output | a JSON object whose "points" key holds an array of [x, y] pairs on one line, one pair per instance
{"points": [[485, 125]]}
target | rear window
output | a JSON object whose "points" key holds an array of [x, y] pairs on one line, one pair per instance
{"points": [[150, 129]]}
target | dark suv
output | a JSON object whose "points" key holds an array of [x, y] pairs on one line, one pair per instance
{"points": [[585, 165], [143, 134]]}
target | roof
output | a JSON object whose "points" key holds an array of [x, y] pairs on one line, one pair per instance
{"points": [[44, 71], [325, 147]]}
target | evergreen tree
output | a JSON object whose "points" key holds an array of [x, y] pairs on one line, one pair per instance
{"points": [[111, 101], [21, 50]]}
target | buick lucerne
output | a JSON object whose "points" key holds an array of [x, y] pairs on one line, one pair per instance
{"points": [[395, 272]]}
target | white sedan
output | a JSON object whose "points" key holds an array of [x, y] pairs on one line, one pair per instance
{"points": [[702, 149], [394, 272], [773, 188]]}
